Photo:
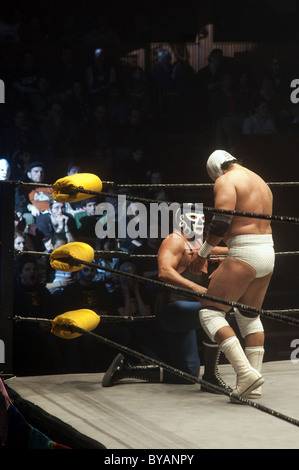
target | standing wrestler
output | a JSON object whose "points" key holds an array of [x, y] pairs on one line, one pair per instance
{"points": [[177, 313], [244, 275]]}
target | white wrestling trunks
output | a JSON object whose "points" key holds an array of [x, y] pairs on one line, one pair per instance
{"points": [[255, 250]]}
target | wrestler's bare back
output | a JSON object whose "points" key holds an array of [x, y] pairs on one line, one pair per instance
{"points": [[243, 190]]}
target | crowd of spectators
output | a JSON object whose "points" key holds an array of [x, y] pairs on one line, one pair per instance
{"points": [[88, 110]]}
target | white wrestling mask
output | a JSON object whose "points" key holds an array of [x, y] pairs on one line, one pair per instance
{"points": [[215, 161], [191, 220]]}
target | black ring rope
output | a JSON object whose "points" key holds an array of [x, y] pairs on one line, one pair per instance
{"points": [[277, 218], [125, 254], [272, 315], [173, 370], [115, 185]]}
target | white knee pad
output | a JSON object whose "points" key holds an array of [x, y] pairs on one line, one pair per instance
{"points": [[212, 321], [248, 326]]}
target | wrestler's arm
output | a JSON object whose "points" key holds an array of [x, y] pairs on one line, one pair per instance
{"points": [[225, 197], [169, 256]]}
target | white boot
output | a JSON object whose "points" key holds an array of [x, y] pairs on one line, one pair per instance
{"points": [[255, 357], [248, 378]]}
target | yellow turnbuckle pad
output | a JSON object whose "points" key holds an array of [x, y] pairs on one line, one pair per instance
{"points": [[85, 319], [66, 189], [65, 256]]}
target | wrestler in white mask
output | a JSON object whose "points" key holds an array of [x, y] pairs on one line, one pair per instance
{"points": [[215, 161]]}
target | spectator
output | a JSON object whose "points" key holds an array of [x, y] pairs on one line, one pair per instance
{"points": [[66, 73], [30, 203], [139, 92], [57, 132], [155, 178], [20, 134], [134, 133], [136, 301], [227, 115], [36, 350], [87, 293], [260, 122], [55, 221], [111, 281], [56, 279], [117, 104], [26, 77], [5, 169], [86, 220], [19, 241], [41, 100], [19, 164], [99, 76], [134, 168], [101, 132], [209, 78], [163, 76]]}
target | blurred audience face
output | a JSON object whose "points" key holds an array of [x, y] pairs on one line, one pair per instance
{"points": [[29, 274], [36, 174], [4, 169], [19, 243]]}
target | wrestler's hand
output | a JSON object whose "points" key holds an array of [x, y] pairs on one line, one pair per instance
{"points": [[200, 289], [197, 265]]}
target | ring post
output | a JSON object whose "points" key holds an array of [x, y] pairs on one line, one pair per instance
{"points": [[6, 276]]}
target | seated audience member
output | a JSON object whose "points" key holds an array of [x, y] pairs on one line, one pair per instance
{"points": [[110, 280], [5, 169], [20, 241], [35, 350], [56, 221], [136, 301], [86, 220], [260, 122], [20, 161], [87, 293], [55, 279], [30, 202]]}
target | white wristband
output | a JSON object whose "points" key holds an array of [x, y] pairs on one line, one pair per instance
{"points": [[205, 250]]}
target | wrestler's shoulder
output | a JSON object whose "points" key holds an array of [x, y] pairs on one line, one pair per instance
{"points": [[173, 239]]}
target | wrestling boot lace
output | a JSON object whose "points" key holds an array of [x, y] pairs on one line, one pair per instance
{"points": [[211, 373], [248, 378], [120, 368]]}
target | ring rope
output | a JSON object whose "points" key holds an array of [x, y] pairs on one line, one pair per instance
{"points": [[277, 218], [113, 318], [191, 378], [155, 186], [276, 316], [125, 254], [184, 185], [272, 314]]}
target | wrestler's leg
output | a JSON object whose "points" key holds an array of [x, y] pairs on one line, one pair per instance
{"points": [[179, 320], [230, 281], [251, 328]]}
